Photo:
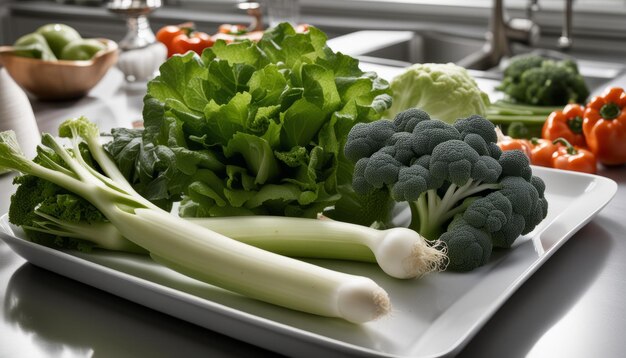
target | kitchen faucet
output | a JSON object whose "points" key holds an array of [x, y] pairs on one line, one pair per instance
{"points": [[565, 41], [504, 31]]}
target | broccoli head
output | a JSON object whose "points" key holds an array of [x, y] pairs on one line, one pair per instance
{"points": [[461, 189], [535, 80]]}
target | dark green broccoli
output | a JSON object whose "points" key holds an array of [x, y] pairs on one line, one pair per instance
{"points": [[466, 246], [461, 188], [535, 80]]}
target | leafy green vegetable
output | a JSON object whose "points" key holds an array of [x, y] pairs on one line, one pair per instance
{"points": [[446, 91], [535, 80], [251, 128], [460, 187]]}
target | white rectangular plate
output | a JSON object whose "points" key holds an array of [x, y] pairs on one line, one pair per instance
{"points": [[432, 317]]}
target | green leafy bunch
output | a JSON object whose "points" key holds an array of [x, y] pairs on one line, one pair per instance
{"points": [[250, 128]]}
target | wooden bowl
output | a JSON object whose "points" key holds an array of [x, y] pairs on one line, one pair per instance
{"points": [[62, 79]]}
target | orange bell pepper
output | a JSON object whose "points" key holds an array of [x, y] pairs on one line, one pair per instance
{"points": [[567, 124], [568, 157], [604, 126], [542, 151]]}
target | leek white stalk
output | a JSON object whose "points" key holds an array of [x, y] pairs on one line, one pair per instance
{"points": [[400, 252], [196, 251]]}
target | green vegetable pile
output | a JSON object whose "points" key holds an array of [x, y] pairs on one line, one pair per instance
{"points": [[460, 187], [446, 91], [85, 170], [57, 42], [534, 80], [250, 128]]}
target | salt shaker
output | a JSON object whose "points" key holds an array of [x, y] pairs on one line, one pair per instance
{"points": [[17, 114], [141, 54]]}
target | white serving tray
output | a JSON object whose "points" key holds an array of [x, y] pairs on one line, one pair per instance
{"points": [[432, 317]]}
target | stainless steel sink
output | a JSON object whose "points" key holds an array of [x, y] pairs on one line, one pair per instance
{"points": [[403, 48], [389, 52]]}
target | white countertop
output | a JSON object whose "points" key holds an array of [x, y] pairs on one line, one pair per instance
{"points": [[571, 307]]}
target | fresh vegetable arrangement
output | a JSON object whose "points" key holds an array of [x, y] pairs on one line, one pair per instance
{"points": [[57, 42], [78, 197], [250, 128], [446, 91], [186, 247], [461, 188], [274, 149]]}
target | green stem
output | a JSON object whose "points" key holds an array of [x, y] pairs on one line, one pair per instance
{"points": [[610, 111], [419, 213], [570, 148], [575, 124]]}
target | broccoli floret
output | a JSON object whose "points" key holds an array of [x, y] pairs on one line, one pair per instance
{"points": [[477, 143], [466, 246], [520, 64], [412, 182], [382, 169], [407, 120], [460, 187], [486, 170], [453, 161], [534, 80], [367, 138], [401, 144], [477, 125], [428, 134], [515, 163], [489, 213]]}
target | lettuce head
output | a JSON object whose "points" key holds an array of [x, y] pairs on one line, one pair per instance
{"points": [[445, 91], [250, 128]]}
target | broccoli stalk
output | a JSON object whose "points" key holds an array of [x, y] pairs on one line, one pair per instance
{"points": [[189, 248], [461, 188], [430, 211]]}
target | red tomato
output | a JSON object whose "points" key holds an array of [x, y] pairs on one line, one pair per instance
{"points": [[196, 41], [166, 34]]}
